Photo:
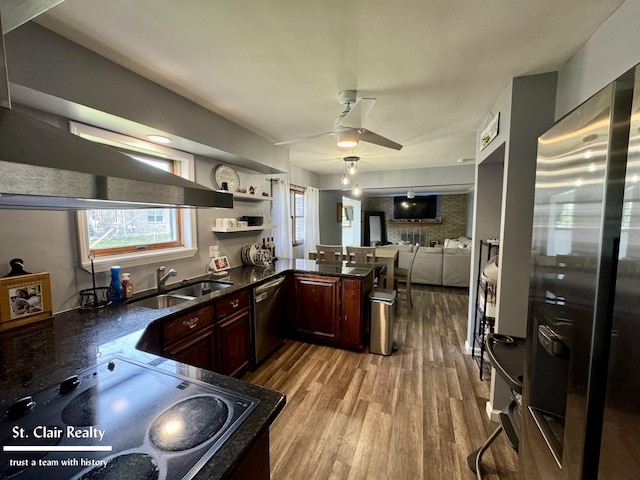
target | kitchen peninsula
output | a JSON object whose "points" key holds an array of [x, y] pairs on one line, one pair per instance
{"points": [[49, 352]]}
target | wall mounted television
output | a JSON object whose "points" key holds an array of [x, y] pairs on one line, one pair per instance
{"points": [[418, 208]]}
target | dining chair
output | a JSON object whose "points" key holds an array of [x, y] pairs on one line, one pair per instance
{"points": [[404, 275], [367, 255], [329, 253], [361, 255]]}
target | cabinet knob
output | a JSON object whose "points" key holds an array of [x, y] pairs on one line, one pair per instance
{"points": [[191, 323]]}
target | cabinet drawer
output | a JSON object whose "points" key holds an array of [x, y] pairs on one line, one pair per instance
{"points": [[180, 327], [232, 304]]}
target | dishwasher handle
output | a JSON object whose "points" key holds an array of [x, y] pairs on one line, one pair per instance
{"points": [[261, 296], [267, 286]]}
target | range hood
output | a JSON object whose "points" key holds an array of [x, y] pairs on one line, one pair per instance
{"points": [[45, 167]]}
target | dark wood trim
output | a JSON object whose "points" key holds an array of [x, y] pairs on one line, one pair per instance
{"points": [[419, 222]]}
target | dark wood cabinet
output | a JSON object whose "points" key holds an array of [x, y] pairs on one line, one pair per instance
{"points": [[325, 309], [233, 334], [332, 310], [317, 307], [234, 343], [351, 328], [197, 350], [191, 339]]}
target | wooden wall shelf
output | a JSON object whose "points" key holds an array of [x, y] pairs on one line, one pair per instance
{"points": [[421, 222]]}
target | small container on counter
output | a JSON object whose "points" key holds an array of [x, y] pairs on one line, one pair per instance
{"points": [[127, 286], [117, 293]]}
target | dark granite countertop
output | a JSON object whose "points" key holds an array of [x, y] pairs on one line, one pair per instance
{"points": [[45, 353]]}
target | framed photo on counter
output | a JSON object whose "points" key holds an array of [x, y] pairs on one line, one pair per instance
{"points": [[221, 264], [24, 299]]}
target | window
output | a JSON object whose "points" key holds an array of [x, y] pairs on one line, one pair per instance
{"points": [[566, 217], [137, 236], [297, 216], [155, 216]]}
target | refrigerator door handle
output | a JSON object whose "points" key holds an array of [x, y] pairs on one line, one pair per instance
{"points": [[551, 342]]}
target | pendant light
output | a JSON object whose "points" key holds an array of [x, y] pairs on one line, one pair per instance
{"points": [[351, 169], [411, 193], [345, 177], [353, 164]]}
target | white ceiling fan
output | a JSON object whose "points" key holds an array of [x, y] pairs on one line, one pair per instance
{"points": [[348, 127]]}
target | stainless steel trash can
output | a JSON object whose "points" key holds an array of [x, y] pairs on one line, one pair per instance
{"points": [[382, 318]]}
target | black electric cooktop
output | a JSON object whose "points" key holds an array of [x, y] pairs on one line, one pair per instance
{"points": [[119, 420]]}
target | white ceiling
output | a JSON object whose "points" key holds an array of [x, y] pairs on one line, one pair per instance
{"points": [[276, 66]]}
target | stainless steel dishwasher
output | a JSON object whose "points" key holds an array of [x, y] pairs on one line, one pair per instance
{"points": [[268, 318]]}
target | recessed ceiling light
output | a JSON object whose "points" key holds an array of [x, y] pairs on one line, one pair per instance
{"points": [[159, 139]]}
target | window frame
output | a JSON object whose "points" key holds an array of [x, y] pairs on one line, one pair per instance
{"points": [[295, 218], [187, 216]]}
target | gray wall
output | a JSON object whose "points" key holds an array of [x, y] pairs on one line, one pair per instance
{"points": [[457, 175], [47, 241], [526, 110], [330, 228], [43, 61], [609, 52]]}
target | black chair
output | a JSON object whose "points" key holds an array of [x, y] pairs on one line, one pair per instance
{"points": [[506, 354]]}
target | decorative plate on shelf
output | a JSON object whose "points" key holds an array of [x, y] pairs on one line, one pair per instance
{"points": [[225, 173]]}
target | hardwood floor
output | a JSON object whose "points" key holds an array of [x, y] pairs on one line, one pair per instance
{"points": [[416, 414]]}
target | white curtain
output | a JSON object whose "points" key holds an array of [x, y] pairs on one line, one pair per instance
{"points": [[311, 220], [282, 218]]}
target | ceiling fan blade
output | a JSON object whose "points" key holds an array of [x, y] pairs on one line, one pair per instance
{"points": [[355, 117], [369, 136], [305, 138]]}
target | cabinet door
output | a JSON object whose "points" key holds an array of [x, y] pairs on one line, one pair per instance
{"points": [[234, 343], [197, 350], [318, 307], [351, 330]]}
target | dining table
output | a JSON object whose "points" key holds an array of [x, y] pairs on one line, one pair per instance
{"points": [[387, 256]]}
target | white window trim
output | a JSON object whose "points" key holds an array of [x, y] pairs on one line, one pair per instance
{"points": [[144, 257]]}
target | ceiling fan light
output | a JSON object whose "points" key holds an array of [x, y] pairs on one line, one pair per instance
{"points": [[347, 138]]}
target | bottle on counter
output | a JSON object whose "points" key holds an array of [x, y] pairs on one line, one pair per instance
{"points": [[264, 245], [116, 291], [127, 286]]}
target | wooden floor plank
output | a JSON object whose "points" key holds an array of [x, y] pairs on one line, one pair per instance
{"points": [[416, 414]]}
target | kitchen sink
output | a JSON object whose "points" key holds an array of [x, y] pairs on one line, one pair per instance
{"points": [[164, 300], [179, 295], [200, 288]]}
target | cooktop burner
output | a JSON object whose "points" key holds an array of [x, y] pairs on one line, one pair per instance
{"points": [[120, 419]]}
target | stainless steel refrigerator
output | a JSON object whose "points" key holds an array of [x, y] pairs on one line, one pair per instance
{"points": [[581, 400]]}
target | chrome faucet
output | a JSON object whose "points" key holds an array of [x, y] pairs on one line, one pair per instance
{"points": [[162, 278]]}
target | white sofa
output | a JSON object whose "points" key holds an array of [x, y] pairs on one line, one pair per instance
{"points": [[448, 266]]}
